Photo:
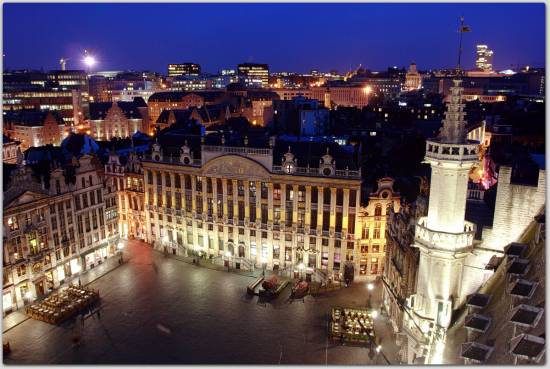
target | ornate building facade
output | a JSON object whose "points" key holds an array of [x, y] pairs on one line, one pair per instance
{"points": [[118, 119], [127, 180], [373, 220], [236, 205], [55, 227], [400, 273]]}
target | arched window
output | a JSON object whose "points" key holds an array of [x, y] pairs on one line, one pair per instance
{"points": [[378, 210]]}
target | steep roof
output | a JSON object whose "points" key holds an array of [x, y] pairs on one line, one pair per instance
{"points": [[181, 115], [98, 111], [30, 118], [179, 95], [310, 152]]}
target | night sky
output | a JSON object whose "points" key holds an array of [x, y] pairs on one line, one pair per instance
{"points": [[289, 37]]}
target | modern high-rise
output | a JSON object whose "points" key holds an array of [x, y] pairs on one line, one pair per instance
{"points": [[253, 75], [484, 58], [184, 69]]}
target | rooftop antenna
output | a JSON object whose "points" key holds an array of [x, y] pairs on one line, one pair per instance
{"points": [[461, 30]]}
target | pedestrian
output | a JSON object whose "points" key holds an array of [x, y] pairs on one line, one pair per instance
{"points": [[79, 283]]}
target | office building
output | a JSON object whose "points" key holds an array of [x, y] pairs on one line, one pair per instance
{"points": [[484, 58], [184, 69], [33, 128], [253, 75]]}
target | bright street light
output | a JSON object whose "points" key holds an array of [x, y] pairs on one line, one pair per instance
{"points": [[370, 286], [378, 348], [89, 61], [120, 246], [228, 254], [367, 89], [374, 314]]}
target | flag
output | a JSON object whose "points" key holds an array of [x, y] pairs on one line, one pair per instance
{"points": [[465, 29]]}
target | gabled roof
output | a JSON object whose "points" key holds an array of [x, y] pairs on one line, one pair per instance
{"points": [[181, 115], [98, 111], [208, 96], [30, 118]]}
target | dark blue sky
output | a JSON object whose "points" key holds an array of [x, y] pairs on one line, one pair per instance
{"points": [[289, 37]]}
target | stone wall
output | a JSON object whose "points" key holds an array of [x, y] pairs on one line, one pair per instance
{"points": [[515, 207]]}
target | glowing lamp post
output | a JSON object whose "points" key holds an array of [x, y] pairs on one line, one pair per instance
{"points": [[370, 287], [89, 60], [28, 296], [120, 247], [228, 256], [301, 268]]}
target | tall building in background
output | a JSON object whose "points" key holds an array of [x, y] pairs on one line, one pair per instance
{"points": [[484, 58], [413, 79], [253, 75], [184, 69]]}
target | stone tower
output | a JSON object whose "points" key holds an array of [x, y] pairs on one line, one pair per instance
{"points": [[444, 238]]}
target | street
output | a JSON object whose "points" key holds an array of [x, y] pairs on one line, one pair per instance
{"points": [[158, 310]]}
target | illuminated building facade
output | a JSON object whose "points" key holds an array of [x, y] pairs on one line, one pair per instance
{"points": [[54, 229], [34, 128], [484, 58], [65, 91], [400, 274], [413, 79], [127, 181], [9, 149], [118, 119], [253, 75], [255, 206], [350, 95], [373, 221], [184, 69]]}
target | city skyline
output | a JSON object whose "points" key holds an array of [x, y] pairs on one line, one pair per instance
{"points": [[410, 34]]}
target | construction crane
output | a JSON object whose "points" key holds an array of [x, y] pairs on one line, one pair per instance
{"points": [[63, 63], [352, 73]]}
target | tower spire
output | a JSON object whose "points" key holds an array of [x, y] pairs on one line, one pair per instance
{"points": [[454, 125]]}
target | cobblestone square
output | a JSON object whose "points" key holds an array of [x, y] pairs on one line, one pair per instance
{"points": [[159, 310]]}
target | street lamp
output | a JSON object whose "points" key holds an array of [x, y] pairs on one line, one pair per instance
{"points": [[301, 268], [378, 348], [120, 247], [263, 260], [88, 60], [228, 255], [370, 287], [165, 244], [374, 314]]}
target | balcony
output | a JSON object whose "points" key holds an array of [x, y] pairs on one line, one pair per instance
{"points": [[174, 160], [444, 240], [438, 151], [237, 150], [314, 172]]}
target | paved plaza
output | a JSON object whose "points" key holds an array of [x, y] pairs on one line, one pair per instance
{"points": [[159, 310]]}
